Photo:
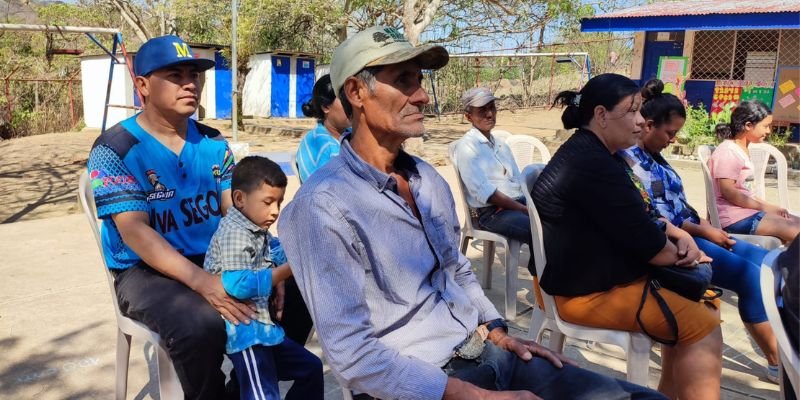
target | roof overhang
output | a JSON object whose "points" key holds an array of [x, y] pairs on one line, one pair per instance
{"points": [[774, 20]]}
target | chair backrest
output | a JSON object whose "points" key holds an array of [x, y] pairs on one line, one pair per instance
{"points": [[501, 135], [86, 199], [293, 163], [537, 251], [704, 152], [760, 154], [524, 149], [468, 222], [770, 287]]}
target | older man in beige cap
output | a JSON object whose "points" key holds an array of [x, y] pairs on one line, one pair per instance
{"points": [[491, 178], [371, 238]]}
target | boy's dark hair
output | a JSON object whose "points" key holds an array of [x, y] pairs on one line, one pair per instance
{"points": [[252, 171]]}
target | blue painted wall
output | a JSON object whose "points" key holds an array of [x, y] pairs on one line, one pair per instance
{"points": [[653, 51], [279, 91], [222, 86], [304, 84]]}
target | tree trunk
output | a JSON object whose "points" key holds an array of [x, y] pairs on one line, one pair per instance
{"points": [[133, 20], [417, 15]]}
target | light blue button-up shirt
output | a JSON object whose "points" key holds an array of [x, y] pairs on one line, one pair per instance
{"points": [[390, 295], [486, 167]]}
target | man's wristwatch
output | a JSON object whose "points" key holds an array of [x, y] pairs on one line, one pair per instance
{"points": [[498, 323]]}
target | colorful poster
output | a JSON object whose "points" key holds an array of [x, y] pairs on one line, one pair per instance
{"points": [[725, 98], [785, 97], [672, 71], [762, 94]]}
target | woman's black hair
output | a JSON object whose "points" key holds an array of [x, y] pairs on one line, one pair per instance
{"points": [[658, 106], [752, 111], [605, 90], [321, 96]]}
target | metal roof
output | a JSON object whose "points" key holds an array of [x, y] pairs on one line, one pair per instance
{"points": [[704, 7]]}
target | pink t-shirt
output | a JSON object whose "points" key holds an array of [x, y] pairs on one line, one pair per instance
{"points": [[729, 161]]}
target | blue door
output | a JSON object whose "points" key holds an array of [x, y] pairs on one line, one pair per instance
{"points": [[280, 86], [653, 50], [304, 72], [222, 86]]}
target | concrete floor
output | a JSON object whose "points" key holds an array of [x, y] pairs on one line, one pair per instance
{"points": [[57, 328]]}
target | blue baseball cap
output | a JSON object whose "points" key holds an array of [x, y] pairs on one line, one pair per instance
{"points": [[166, 51]]}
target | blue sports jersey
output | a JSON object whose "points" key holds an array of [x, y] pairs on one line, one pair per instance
{"points": [[132, 171]]}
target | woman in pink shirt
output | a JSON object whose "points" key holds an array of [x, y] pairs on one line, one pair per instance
{"points": [[732, 172]]}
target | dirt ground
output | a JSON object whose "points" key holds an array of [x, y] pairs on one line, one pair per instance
{"points": [[39, 174]]}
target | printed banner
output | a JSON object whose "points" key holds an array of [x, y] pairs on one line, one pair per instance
{"points": [[762, 94], [725, 98]]}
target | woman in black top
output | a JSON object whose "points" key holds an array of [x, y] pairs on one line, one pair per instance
{"points": [[601, 242]]}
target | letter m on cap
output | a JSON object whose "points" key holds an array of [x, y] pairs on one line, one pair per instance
{"points": [[182, 50]]}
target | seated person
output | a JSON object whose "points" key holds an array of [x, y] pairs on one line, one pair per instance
{"points": [[398, 310], [250, 262], [789, 303], [737, 264], [321, 143], [490, 174], [732, 173], [161, 184], [601, 242]]}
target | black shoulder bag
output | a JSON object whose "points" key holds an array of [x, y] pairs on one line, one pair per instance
{"points": [[689, 282]]}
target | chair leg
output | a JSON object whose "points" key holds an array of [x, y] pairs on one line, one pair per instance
{"points": [[512, 263], [488, 261], [556, 342], [169, 386], [638, 360], [537, 321], [123, 357]]}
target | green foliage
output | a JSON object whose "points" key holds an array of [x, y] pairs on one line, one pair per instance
{"points": [[698, 129], [779, 136]]}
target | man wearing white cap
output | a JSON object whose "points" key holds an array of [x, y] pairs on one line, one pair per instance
{"points": [[490, 174], [398, 311]]}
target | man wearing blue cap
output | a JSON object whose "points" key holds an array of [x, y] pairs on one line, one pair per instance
{"points": [[161, 184]]}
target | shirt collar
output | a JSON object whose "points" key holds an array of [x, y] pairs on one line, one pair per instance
{"points": [[477, 135], [241, 220], [378, 179]]}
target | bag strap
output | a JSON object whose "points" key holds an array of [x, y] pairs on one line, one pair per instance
{"points": [[653, 286]]}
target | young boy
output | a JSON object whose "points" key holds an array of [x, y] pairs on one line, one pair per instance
{"points": [[251, 262]]}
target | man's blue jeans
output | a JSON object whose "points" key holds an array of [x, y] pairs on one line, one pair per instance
{"points": [[497, 369]]}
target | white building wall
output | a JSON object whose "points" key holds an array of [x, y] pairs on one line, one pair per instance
{"points": [[256, 93], [293, 87], [94, 82], [208, 97]]}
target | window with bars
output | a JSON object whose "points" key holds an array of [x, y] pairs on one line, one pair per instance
{"points": [[751, 55]]}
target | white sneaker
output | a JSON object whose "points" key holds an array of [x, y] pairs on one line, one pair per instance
{"points": [[773, 373]]}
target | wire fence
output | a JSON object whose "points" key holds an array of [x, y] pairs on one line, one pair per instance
{"points": [[524, 80], [33, 106]]}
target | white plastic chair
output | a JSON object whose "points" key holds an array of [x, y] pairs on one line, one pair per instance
{"points": [[760, 154], [490, 239], [704, 153], [501, 135], [524, 149], [636, 345], [169, 386], [295, 169], [770, 287]]}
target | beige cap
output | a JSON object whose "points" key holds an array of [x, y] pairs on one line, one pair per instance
{"points": [[477, 97], [380, 45]]}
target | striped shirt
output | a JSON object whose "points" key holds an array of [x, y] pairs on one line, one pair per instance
{"points": [[316, 148], [390, 295]]}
